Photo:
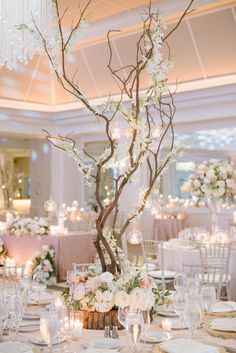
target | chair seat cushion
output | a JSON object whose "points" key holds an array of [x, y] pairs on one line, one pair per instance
{"points": [[211, 278], [158, 274]]}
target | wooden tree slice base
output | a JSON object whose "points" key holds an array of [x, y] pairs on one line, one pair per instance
{"points": [[94, 320]]}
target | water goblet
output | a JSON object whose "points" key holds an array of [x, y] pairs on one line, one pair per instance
{"points": [[49, 328], [208, 298], [122, 313], [39, 284], [180, 282], [178, 306], [134, 327], [16, 314], [192, 314]]}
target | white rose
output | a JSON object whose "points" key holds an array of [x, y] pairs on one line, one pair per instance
{"points": [[211, 175], [206, 181], [196, 183], [223, 173], [106, 277], [122, 299], [105, 296], [103, 307], [79, 292], [221, 184]]}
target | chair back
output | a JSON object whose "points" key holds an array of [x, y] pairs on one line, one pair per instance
{"points": [[215, 255], [82, 267], [153, 255]]}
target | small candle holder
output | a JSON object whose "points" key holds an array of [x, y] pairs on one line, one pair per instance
{"points": [[77, 325], [167, 325]]}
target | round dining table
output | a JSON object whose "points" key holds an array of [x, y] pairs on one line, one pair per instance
{"points": [[177, 255]]}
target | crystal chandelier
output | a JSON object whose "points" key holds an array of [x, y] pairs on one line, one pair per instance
{"points": [[19, 45]]}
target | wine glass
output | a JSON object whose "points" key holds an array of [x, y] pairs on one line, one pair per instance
{"points": [[134, 327], [122, 314], [16, 314], [39, 284], [208, 298], [3, 317], [49, 328], [192, 314], [146, 323], [180, 282], [193, 284], [178, 306]]}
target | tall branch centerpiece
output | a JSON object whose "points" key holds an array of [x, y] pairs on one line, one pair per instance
{"points": [[145, 117]]}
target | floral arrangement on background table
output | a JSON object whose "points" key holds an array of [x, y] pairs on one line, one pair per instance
{"points": [[212, 179], [3, 253], [45, 262], [34, 226], [215, 181], [105, 292]]}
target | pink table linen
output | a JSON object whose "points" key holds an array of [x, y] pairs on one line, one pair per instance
{"points": [[174, 258], [70, 248], [165, 229]]}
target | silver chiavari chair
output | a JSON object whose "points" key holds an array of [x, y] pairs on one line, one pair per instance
{"points": [[82, 267], [153, 254], [215, 258]]}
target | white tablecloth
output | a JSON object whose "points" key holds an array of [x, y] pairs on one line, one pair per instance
{"points": [[175, 257]]}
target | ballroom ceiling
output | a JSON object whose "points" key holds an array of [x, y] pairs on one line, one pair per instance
{"points": [[203, 47]]}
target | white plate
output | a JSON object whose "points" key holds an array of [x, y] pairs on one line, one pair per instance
{"points": [[31, 316], [168, 313], [106, 343], [155, 337], [29, 327], [40, 341], [177, 325]]}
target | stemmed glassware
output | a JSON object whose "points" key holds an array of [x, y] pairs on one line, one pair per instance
{"points": [[16, 313], [192, 313], [134, 327], [122, 314], [4, 310], [180, 282], [39, 284], [49, 327], [208, 298], [178, 306]]}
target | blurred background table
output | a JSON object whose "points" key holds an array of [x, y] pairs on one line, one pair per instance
{"points": [[167, 228], [69, 248]]}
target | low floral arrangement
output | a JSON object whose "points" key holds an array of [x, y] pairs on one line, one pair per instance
{"points": [[3, 253], [213, 179], [102, 292], [34, 226], [45, 262]]}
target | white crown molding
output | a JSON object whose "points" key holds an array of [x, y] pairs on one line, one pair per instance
{"points": [[208, 107]]}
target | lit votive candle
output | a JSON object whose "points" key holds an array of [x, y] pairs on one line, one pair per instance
{"points": [[77, 331], [166, 325]]}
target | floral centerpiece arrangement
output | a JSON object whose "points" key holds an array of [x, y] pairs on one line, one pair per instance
{"points": [[34, 226], [45, 262], [3, 253], [104, 292], [136, 123], [213, 179]]}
